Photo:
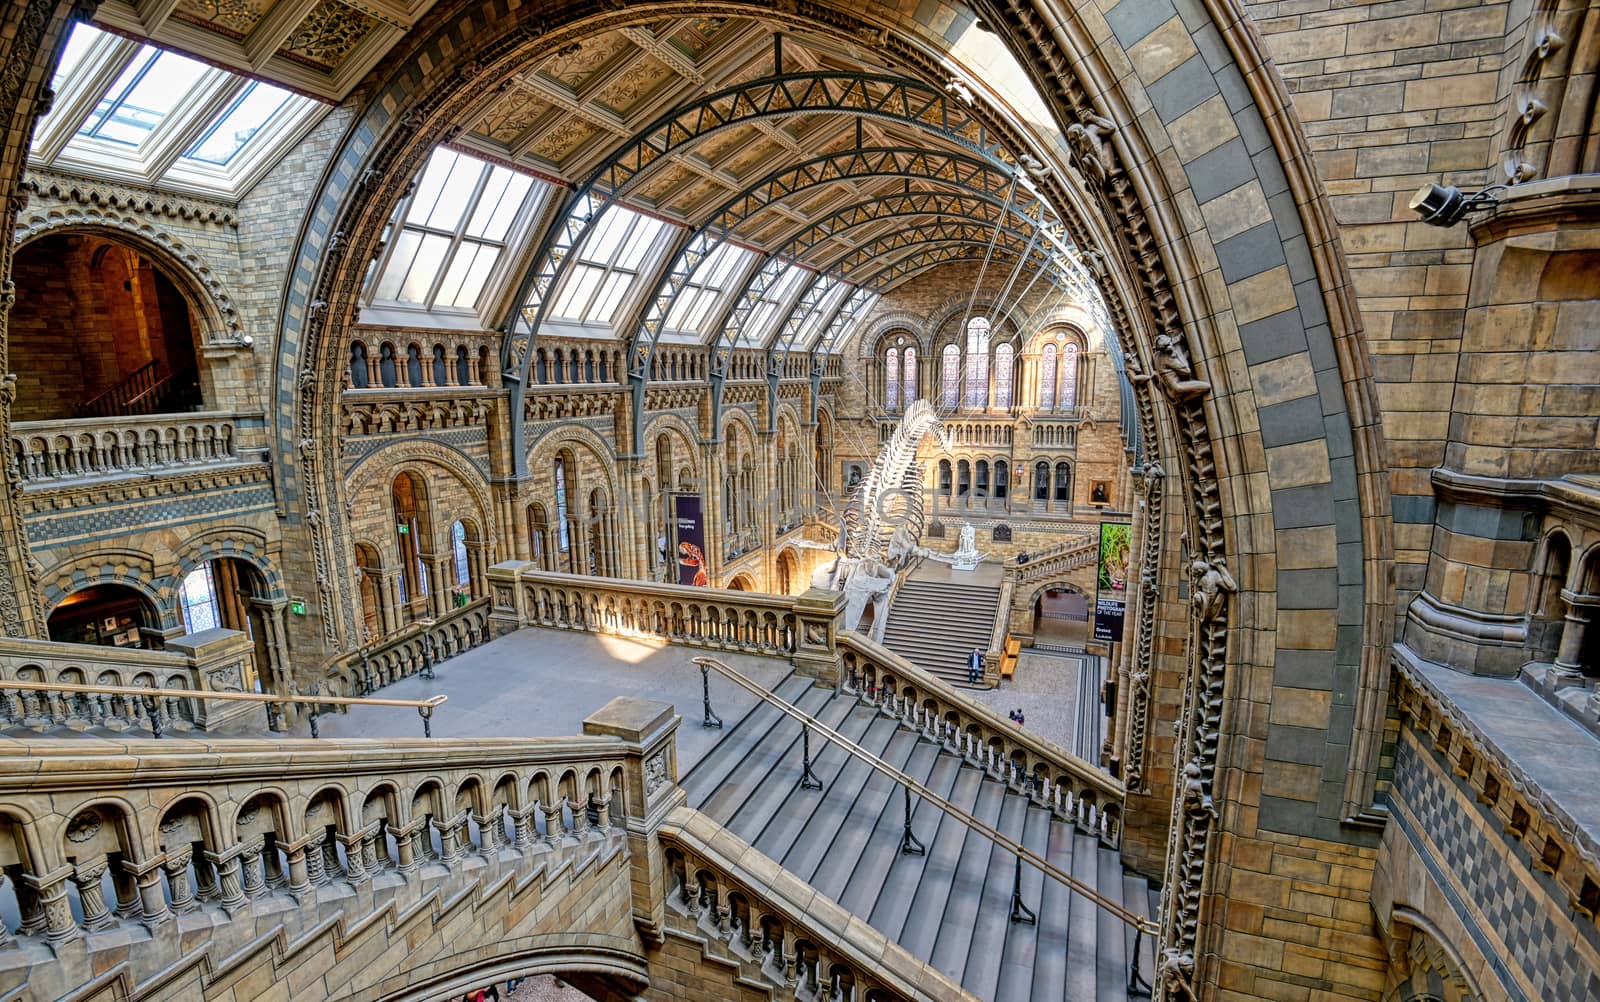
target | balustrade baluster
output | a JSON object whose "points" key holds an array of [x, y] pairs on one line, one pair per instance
{"points": [[250, 869], [92, 896]]}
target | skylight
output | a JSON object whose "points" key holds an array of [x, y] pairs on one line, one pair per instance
{"points": [[766, 313], [138, 113], [225, 137], [453, 232], [142, 97], [607, 266], [695, 303]]}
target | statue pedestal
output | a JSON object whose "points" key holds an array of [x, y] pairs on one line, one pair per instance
{"points": [[965, 561]]}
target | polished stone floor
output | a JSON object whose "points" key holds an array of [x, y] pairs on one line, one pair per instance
{"points": [[1048, 690], [543, 683]]}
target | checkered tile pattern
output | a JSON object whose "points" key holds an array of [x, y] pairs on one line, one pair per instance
{"points": [[1484, 878]]}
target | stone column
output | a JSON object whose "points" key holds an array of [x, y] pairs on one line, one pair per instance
{"points": [[389, 600], [228, 877], [404, 848], [330, 857], [255, 884], [276, 877], [552, 823], [1580, 610], [354, 864], [316, 872], [489, 830], [128, 904], [91, 896], [449, 839], [272, 613], [300, 883], [176, 866], [148, 877], [50, 893], [523, 820]]}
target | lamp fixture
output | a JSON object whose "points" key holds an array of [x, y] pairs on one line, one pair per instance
{"points": [[1446, 205]]}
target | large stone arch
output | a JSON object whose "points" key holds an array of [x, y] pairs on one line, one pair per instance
{"points": [[197, 280], [235, 542], [1070, 55]]}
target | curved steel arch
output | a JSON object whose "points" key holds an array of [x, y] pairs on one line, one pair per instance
{"points": [[865, 95]]}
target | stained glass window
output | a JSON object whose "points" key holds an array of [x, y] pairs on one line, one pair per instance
{"points": [[1047, 378], [1002, 375], [1069, 378], [950, 377], [891, 381], [200, 600], [977, 362], [908, 384], [561, 505]]}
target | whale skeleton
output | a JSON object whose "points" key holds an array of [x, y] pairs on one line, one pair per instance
{"points": [[889, 498]]}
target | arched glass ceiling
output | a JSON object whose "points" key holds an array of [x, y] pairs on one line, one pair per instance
{"points": [[140, 113]]}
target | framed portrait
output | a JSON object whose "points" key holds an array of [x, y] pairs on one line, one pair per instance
{"points": [[1099, 492], [109, 623]]}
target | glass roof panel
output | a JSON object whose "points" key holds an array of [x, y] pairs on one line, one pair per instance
{"points": [[143, 96], [252, 109], [72, 53]]}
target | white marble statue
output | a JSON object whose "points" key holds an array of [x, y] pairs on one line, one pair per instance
{"points": [[966, 556]]}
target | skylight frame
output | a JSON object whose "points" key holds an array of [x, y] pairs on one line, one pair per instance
{"points": [[159, 159], [458, 235], [702, 282], [626, 266]]}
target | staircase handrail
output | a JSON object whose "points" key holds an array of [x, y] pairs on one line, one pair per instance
{"points": [[356, 670], [424, 707], [118, 393], [989, 721], [1049, 869], [1002, 616], [1064, 557], [842, 940]]}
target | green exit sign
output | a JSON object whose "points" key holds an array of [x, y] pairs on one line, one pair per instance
{"points": [[297, 606]]}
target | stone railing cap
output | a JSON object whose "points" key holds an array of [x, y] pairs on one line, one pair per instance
{"points": [[630, 718], [195, 643]]}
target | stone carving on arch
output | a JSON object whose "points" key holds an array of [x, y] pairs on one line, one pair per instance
{"points": [[410, 454], [673, 424], [1423, 965], [739, 416], [235, 542], [913, 326], [210, 296], [128, 568], [787, 411]]}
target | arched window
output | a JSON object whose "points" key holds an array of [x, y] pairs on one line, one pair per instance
{"points": [[359, 377], [908, 381], [983, 478], [1002, 478], [1069, 378], [944, 476], [409, 498], [1063, 482], [1047, 378], [978, 362], [564, 541], [1002, 375], [1041, 481], [963, 478], [200, 607], [950, 377], [458, 548], [891, 380]]}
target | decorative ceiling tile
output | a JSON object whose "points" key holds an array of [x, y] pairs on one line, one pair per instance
{"points": [[577, 64], [512, 116], [328, 35], [753, 154], [564, 139], [657, 187], [644, 77], [230, 18], [696, 38]]}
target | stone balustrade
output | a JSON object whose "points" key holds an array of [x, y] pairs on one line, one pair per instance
{"points": [[392, 357], [211, 661], [389, 412], [1056, 431], [1079, 551], [741, 905], [76, 448], [99, 838], [410, 651], [1049, 775], [1560, 854]]}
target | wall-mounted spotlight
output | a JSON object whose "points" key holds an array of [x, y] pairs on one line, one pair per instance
{"points": [[1445, 205]]}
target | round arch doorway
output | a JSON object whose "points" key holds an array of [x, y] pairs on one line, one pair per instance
{"points": [[1061, 618]]}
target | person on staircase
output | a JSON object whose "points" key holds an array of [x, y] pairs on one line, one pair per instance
{"points": [[974, 666]]}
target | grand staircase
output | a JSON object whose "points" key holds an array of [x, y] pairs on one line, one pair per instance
{"points": [[952, 906], [936, 624]]}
